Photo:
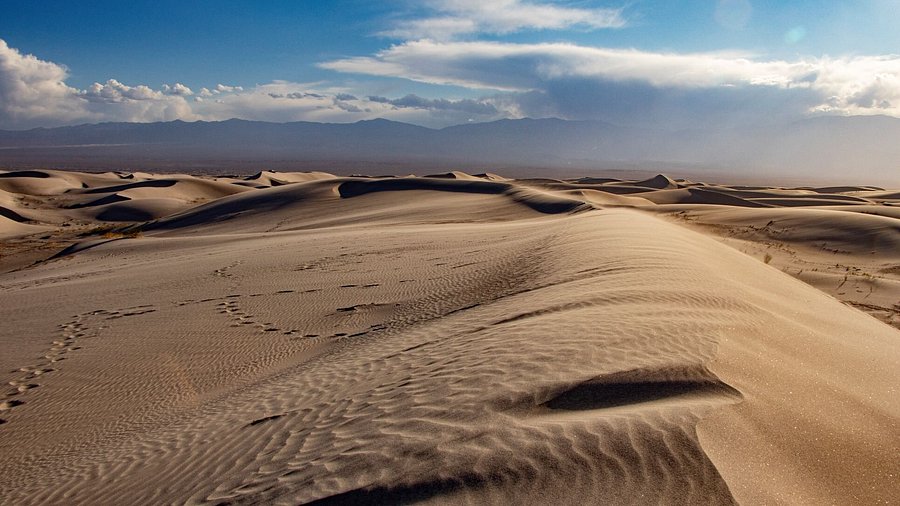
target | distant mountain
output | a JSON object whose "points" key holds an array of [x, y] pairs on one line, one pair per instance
{"points": [[847, 148]]}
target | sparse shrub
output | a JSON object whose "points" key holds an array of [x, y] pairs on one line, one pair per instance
{"points": [[100, 230], [126, 234], [767, 258]]}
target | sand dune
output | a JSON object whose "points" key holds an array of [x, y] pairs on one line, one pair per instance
{"points": [[13, 227], [294, 338], [271, 178]]}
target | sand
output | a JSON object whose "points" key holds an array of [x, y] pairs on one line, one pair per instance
{"points": [[292, 338]]}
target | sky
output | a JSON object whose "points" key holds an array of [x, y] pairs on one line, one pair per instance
{"points": [[643, 63]]}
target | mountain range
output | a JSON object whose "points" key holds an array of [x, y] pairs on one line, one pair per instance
{"points": [[861, 149]]}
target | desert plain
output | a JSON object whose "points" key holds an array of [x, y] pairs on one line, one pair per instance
{"points": [[296, 338]]}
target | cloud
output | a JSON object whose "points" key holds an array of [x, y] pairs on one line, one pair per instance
{"points": [[860, 85], [559, 72], [115, 92], [114, 101], [177, 89], [464, 17], [296, 95], [505, 80], [642, 105], [286, 101], [33, 92], [520, 67], [478, 107], [221, 88]]}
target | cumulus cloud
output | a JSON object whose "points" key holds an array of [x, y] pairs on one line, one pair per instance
{"points": [[33, 92], [860, 85], [453, 18], [116, 92], [222, 88], [115, 101], [557, 72], [177, 89]]}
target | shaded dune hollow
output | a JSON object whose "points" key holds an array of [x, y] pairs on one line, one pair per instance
{"points": [[645, 390], [457, 339]]}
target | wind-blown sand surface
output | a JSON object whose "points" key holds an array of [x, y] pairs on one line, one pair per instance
{"points": [[304, 338]]}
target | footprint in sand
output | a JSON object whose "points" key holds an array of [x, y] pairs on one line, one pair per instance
{"points": [[6, 405], [79, 327]]}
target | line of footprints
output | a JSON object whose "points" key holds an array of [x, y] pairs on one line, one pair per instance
{"points": [[71, 333], [232, 308], [79, 328]]}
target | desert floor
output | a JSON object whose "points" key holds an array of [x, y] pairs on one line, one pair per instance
{"points": [[304, 338]]}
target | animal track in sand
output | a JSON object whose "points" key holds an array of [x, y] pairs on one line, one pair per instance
{"points": [[81, 326]]}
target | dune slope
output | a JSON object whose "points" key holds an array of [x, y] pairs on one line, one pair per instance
{"points": [[420, 341]]}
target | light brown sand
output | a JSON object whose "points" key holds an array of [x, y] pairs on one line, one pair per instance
{"points": [[293, 338]]}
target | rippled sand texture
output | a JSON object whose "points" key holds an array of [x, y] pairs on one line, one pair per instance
{"points": [[302, 338]]}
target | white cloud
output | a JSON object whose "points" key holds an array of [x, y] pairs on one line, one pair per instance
{"points": [[859, 85], [851, 85], [113, 91], [287, 101], [537, 80], [463, 17], [34, 92], [221, 88], [509, 66], [476, 107], [114, 101], [177, 89]]}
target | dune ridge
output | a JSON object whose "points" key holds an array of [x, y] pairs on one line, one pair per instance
{"points": [[314, 339]]}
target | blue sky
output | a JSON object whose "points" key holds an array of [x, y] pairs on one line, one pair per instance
{"points": [[442, 62]]}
